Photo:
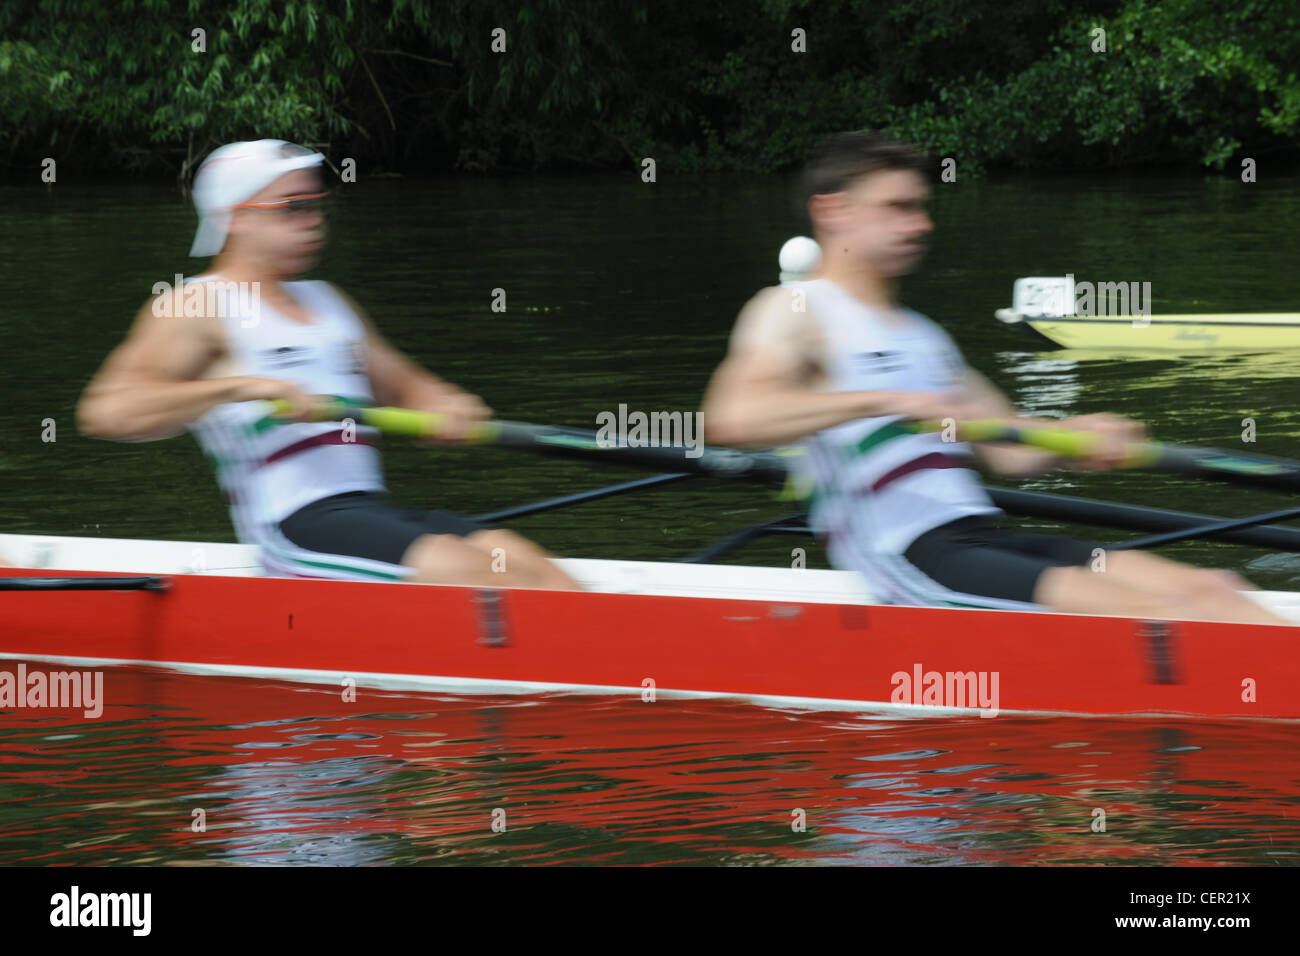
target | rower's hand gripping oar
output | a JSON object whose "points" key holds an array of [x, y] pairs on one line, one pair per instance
{"points": [[1211, 463]]}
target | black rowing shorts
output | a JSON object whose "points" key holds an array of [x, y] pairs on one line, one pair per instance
{"points": [[362, 524], [975, 556]]}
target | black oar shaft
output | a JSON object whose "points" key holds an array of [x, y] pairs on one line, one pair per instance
{"points": [[1259, 471], [1134, 518], [1211, 530], [703, 460], [536, 507], [149, 583]]}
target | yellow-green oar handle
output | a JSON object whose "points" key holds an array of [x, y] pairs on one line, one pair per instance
{"points": [[1066, 442], [392, 421]]}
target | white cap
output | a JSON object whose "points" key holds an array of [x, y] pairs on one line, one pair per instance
{"points": [[799, 258], [233, 174]]}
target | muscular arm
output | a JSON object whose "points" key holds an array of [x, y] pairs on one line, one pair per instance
{"points": [[149, 387], [762, 395]]}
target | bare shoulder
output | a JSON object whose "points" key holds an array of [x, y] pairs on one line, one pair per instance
{"points": [[176, 314], [775, 316], [776, 323], [170, 336]]}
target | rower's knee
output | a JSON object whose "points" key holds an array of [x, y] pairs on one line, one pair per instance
{"points": [[1077, 590], [495, 558], [445, 559], [1151, 572], [1225, 581], [500, 538], [509, 550], [1204, 584], [506, 547]]}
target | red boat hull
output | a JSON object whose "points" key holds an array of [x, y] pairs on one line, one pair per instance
{"points": [[818, 654]]}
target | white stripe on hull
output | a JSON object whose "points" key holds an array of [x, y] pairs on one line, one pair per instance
{"points": [[475, 686]]}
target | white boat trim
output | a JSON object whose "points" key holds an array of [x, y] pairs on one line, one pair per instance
{"points": [[736, 582], [123, 555]]}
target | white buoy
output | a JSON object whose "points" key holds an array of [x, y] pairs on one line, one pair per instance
{"points": [[799, 258]]}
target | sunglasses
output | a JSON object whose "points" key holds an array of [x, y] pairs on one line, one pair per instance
{"points": [[306, 202]]}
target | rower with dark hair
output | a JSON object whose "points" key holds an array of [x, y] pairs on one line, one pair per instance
{"points": [[310, 494], [837, 361]]}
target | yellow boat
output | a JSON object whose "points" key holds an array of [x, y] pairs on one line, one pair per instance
{"points": [[1258, 331], [1039, 305]]}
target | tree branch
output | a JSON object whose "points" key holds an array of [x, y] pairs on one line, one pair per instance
{"points": [[378, 91], [414, 56]]}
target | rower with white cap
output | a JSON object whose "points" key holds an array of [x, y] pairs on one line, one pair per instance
{"points": [[310, 494]]}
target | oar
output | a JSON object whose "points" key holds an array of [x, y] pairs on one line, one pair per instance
{"points": [[1212, 463], [565, 442]]}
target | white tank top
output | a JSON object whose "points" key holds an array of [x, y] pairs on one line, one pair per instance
{"points": [[877, 486], [268, 471]]}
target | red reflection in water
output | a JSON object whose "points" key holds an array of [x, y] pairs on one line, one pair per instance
{"points": [[288, 773]]}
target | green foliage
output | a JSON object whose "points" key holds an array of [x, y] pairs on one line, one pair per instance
{"points": [[1180, 81], [415, 85]]}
